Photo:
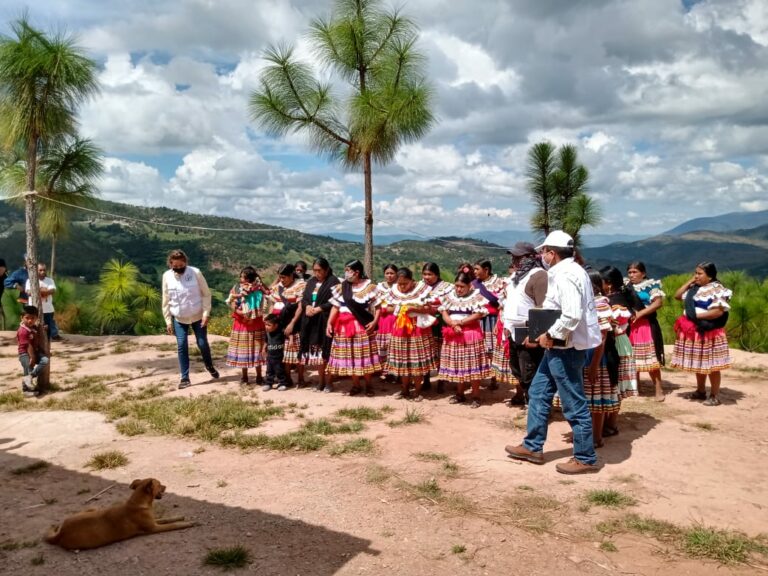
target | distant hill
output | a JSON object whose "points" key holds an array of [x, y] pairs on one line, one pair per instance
{"points": [[667, 254], [730, 222], [498, 237], [94, 239]]}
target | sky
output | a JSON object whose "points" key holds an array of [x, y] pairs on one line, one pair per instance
{"points": [[666, 101]]}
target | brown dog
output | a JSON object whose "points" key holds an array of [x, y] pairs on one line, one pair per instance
{"points": [[94, 528]]}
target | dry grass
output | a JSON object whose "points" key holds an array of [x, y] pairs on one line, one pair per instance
{"points": [[107, 460]]}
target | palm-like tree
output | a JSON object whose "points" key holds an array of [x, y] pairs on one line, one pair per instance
{"points": [[66, 178], [373, 49], [42, 81], [558, 186]]}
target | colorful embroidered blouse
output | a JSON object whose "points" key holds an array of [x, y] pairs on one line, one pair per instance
{"points": [[437, 291], [604, 313], [418, 297], [711, 296], [292, 294], [648, 290], [365, 293], [462, 306]]}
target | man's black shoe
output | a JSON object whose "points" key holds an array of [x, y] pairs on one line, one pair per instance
{"points": [[185, 383]]}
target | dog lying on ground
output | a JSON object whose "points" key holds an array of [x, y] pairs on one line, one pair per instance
{"points": [[93, 528]]}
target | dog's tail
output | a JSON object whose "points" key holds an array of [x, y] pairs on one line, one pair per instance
{"points": [[52, 537]]}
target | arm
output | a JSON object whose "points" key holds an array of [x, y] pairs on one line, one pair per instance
{"points": [[205, 293], [655, 304], [371, 327], [48, 288], [166, 308], [710, 314], [289, 329], [684, 287], [597, 356], [536, 288], [331, 322], [571, 310]]}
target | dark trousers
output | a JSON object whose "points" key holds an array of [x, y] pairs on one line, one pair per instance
{"points": [[50, 323], [524, 362], [275, 371]]}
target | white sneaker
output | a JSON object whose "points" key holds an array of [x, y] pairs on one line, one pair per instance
{"points": [[28, 382]]}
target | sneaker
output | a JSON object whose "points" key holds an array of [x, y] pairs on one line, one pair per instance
{"points": [[266, 388], [27, 380], [475, 403], [522, 453], [57, 338], [711, 401], [282, 388], [327, 390], [213, 372], [573, 466], [184, 383], [30, 393]]}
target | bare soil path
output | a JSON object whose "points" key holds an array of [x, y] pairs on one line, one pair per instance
{"points": [[434, 497]]}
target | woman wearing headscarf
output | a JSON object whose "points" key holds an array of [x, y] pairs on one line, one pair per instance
{"points": [[352, 324], [314, 344], [645, 335], [286, 294], [701, 344]]}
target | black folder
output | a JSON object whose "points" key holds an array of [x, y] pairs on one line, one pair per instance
{"points": [[541, 320]]}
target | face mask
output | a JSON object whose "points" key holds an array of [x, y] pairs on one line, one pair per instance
{"points": [[545, 264], [180, 270], [348, 276]]}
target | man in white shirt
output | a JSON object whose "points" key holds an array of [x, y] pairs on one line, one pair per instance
{"points": [[47, 290], [569, 290], [187, 304]]}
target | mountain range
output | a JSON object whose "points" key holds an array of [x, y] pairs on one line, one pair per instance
{"points": [[221, 245]]}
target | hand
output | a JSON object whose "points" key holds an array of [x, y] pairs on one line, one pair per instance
{"points": [[592, 374], [457, 328], [329, 331], [169, 329], [204, 322], [288, 329], [545, 341], [528, 344], [370, 328]]}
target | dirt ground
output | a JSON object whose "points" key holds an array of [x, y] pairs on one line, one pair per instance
{"points": [[316, 514]]}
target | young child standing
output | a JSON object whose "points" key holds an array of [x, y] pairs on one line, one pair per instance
{"points": [[275, 350], [248, 302], [31, 358]]}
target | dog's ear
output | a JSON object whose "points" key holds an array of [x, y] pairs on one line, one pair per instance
{"points": [[135, 484], [150, 487]]}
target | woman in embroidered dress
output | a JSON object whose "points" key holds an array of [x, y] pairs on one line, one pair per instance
{"points": [[645, 334], [701, 345], [286, 294], [248, 302], [624, 302], [314, 344], [462, 357], [501, 368], [410, 347], [352, 325], [438, 288], [490, 286], [601, 368], [386, 320]]}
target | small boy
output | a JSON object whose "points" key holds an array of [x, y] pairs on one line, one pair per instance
{"points": [[32, 360], [275, 347]]}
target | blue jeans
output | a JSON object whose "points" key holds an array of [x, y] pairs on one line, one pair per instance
{"points": [[42, 362], [201, 336], [561, 370], [50, 324]]}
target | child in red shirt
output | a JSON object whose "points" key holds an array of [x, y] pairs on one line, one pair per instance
{"points": [[32, 359]]}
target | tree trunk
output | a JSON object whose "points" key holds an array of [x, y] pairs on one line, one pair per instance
{"points": [[30, 218], [368, 241], [52, 264]]}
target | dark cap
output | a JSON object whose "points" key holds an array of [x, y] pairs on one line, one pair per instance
{"points": [[521, 249], [2, 262]]}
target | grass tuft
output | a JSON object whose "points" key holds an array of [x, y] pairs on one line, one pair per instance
{"points": [[706, 426], [11, 400], [431, 456], [131, 427], [609, 498], [608, 546], [360, 413], [458, 549], [377, 474], [412, 416], [530, 511], [228, 558], [354, 446], [37, 560], [107, 460]]}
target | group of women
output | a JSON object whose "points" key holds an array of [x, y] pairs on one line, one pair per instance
{"points": [[405, 328]]}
